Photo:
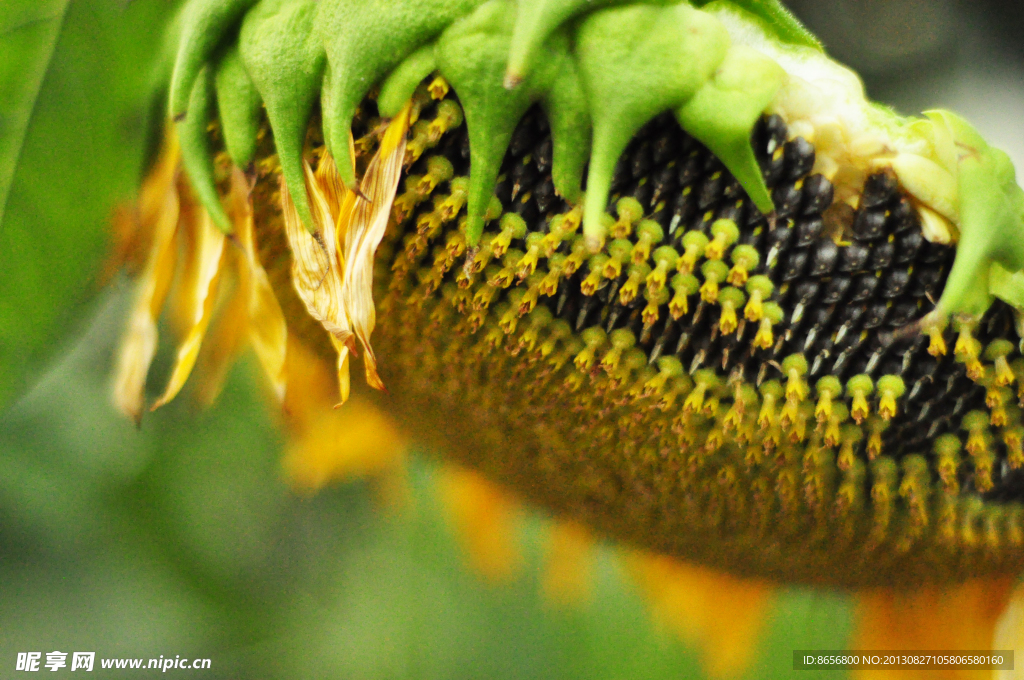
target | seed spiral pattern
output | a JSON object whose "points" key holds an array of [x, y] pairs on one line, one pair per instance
{"points": [[660, 267], [812, 439]]}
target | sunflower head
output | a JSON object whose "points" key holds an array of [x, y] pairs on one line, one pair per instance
{"points": [[661, 268]]}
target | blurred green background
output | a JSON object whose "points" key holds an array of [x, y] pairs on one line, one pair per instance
{"points": [[182, 537]]}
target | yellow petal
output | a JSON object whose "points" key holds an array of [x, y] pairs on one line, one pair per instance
{"points": [[361, 227], [961, 617], [268, 331], [250, 311], [344, 374], [209, 250], [484, 517], [139, 344], [724, 614], [317, 270], [222, 345], [329, 181], [567, 574]]}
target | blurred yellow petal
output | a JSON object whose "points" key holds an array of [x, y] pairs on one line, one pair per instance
{"points": [[723, 614], [484, 517], [328, 444], [268, 331], [960, 617], [222, 345], [310, 387], [1010, 632], [568, 573], [208, 253], [361, 227], [139, 344], [134, 225], [317, 270], [356, 441]]}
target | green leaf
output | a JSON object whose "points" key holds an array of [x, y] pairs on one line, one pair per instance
{"points": [[76, 89], [28, 36]]}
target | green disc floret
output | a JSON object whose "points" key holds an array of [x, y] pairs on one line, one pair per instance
{"points": [[830, 385], [725, 233], [773, 312], [667, 256], [670, 366], [760, 285], [687, 283], [998, 349], [745, 256], [795, 363]]}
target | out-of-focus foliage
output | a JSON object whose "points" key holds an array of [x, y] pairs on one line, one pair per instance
{"points": [[76, 93]]}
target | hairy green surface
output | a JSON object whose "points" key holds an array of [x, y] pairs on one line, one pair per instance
{"points": [[613, 64], [629, 63]]}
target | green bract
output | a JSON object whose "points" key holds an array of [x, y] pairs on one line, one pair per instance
{"points": [[601, 70]]}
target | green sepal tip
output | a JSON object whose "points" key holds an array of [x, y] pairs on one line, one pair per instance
{"points": [[195, 148], [364, 41], [286, 67], [204, 23], [238, 105], [990, 253], [636, 62], [722, 115]]}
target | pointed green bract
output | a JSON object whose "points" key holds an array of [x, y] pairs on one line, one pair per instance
{"points": [[364, 41], [195, 148], [403, 81], [722, 115], [238, 105], [204, 26], [565, 103], [536, 20], [287, 68], [470, 55], [636, 62], [990, 254]]}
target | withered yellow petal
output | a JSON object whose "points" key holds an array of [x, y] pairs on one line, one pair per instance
{"points": [[344, 373], [268, 331], [139, 344], [361, 227], [329, 182], [317, 270], [209, 251]]}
